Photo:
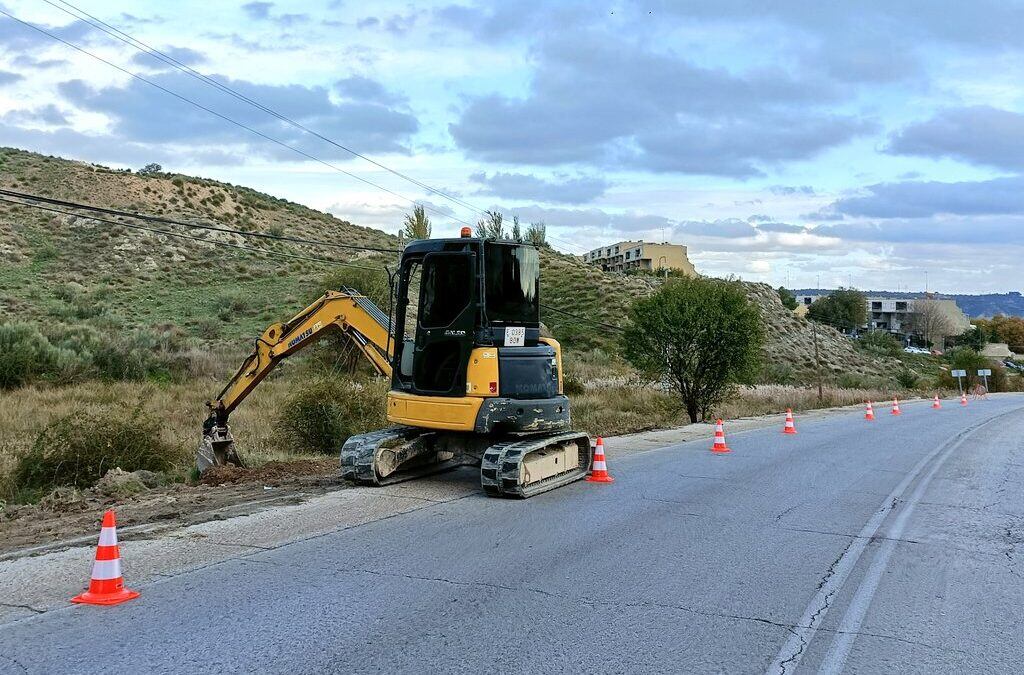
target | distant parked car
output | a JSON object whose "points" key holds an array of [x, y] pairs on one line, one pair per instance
{"points": [[916, 350], [1013, 365]]}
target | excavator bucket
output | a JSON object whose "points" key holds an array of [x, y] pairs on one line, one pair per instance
{"points": [[217, 448]]}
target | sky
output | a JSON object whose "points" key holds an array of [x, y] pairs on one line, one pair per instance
{"points": [[874, 144]]}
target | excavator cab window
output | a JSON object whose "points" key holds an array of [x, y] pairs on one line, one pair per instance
{"points": [[447, 317]]}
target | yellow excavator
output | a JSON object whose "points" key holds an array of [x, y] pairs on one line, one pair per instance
{"points": [[473, 382]]}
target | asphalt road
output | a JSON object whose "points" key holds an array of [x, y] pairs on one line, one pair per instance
{"points": [[893, 546]]}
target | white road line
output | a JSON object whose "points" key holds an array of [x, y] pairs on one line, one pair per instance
{"points": [[835, 659], [788, 658]]}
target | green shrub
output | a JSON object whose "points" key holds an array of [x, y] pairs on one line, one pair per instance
{"points": [[26, 354], [321, 416], [79, 449], [880, 342], [572, 386], [907, 378]]}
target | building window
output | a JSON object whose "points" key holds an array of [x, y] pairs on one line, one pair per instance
{"points": [[901, 306], [627, 254], [876, 305]]}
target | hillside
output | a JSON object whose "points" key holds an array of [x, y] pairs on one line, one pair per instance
{"points": [[59, 269]]}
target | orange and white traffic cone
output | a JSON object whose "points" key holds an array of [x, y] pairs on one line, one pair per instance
{"points": [[869, 413], [935, 403], [599, 470], [896, 406], [789, 427], [963, 399], [719, 445], [106, 586]]}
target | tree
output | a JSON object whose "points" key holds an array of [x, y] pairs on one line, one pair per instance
{"points": [[537, 234], [492, 227], [880, 342], [972, 338], [702, 335], [517, 232], [1008, 329], [150, 170], [845, 309], [787, 298], [929, 320], [417, 224]]}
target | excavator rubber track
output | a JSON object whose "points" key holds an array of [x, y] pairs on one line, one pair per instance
{"points": [[504, 470], [394, 455]]}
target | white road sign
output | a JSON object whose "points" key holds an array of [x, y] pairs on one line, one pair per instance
{"points": [[959, 373], [986, 372]]}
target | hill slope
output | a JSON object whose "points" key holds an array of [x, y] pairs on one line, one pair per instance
{"points": [[64, 269]]}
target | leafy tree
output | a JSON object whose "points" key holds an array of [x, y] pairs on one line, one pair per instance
{"points": [[150, 170], [972, 338], [417, 224], [787, 298], [536, 234], [1008, 329], [845, 309], [517, 231], [702, 335], [880, 342], [492, 227]]}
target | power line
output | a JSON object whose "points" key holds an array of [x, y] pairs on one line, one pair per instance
{"points": [[230, 120], [195, 226], [583, 319], [142, 47], [179, 235]]}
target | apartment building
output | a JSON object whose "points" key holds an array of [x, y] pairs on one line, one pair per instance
{"points": [[627, 255], [897, 314]]}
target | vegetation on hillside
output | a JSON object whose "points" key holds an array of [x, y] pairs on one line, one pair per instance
{"points": [[701, 335], [845, 309]]}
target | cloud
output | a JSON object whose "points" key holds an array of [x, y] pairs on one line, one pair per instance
{"points": [[9, 78], [604, 102], [786, 190], [920, 199], [561, 190], [17, 37], [140, 113], [362, 88], [48, 114], [258, 10], [975, 134], [183, 55], [28, 61], [975, 234]]}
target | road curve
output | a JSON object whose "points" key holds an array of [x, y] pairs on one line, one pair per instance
{"points": [[851, 547]]}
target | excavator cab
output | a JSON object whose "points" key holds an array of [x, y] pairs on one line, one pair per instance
{"points": [[472, 379], [473, 339]]}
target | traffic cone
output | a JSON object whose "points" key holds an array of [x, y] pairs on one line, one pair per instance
{"points": [[106, 586], [599, 470], [789, 428], [935, 403], [719, 445], [869, 413], [963, 399], [896, 406]]}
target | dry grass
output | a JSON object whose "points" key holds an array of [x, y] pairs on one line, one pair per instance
{"points": [[773, 398], [25, 412]]}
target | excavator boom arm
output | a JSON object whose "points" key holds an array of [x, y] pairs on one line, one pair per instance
{"points": [[353, 314]]}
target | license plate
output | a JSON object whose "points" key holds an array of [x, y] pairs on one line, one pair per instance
{"points": [[515, 336]]}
